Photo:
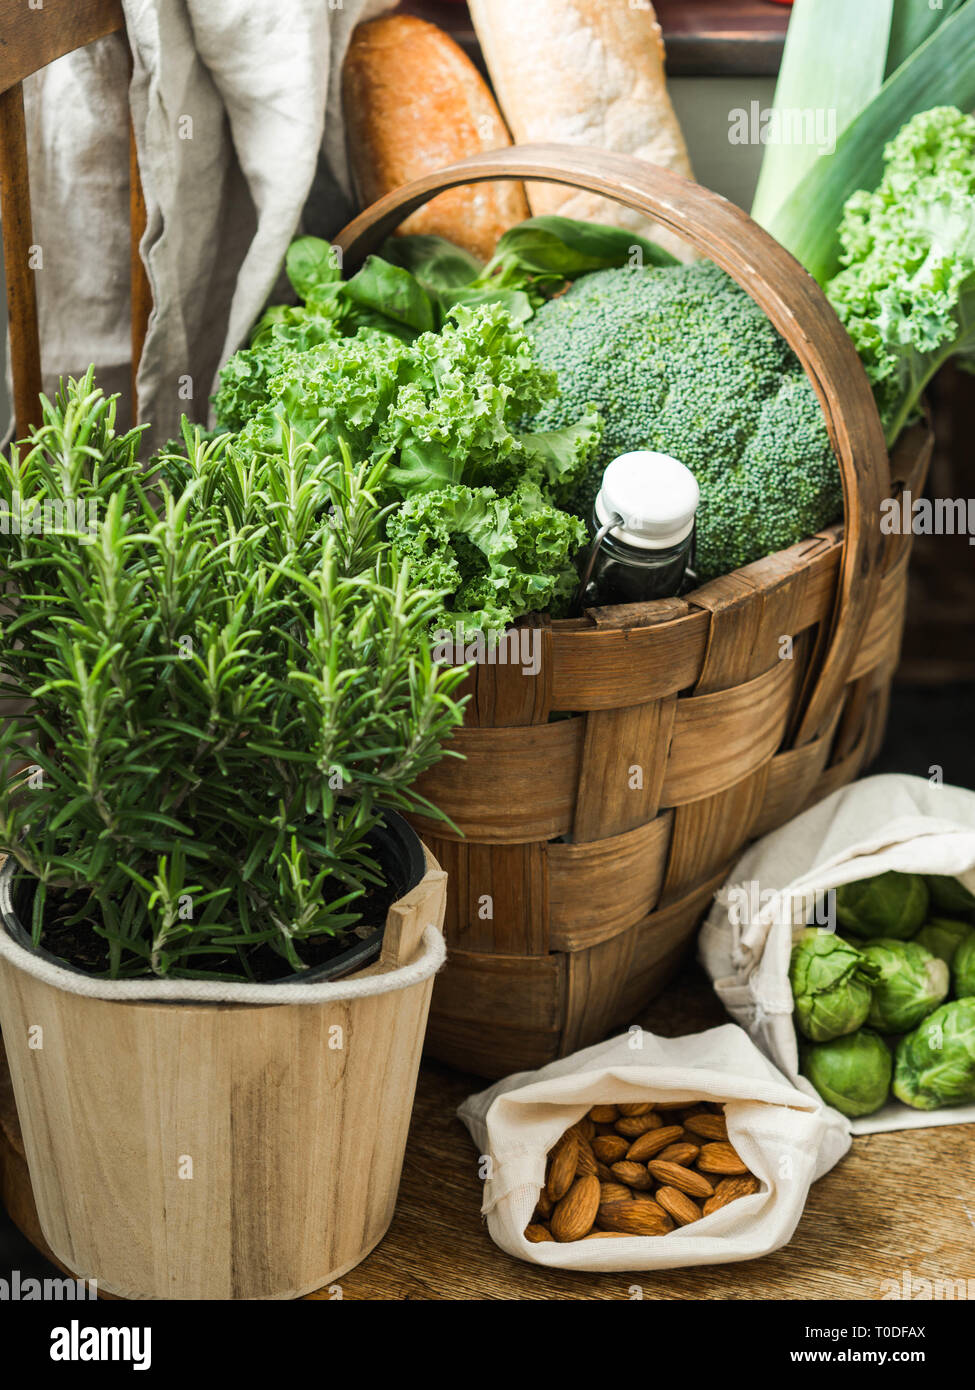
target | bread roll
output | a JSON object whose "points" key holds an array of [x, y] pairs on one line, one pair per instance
{"points": [[413, 103], [584, 72]]}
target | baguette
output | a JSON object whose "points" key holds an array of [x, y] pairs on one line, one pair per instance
{"points": [[584, 72], [413, 103]]}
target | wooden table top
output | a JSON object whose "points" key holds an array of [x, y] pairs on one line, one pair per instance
{"points": [[896, 1202]]}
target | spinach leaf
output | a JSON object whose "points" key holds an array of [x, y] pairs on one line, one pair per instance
{"points": [[311, 264], [562, 248], [391, 292], [517, 302], [437, 263]]}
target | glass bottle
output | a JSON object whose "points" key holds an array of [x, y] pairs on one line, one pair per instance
{"points": [[642, 526]]}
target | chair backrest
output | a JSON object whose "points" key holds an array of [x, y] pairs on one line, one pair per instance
{"points": [[30, 38]]}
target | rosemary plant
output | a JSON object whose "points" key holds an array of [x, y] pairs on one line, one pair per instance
{"points": [[226, 677]]}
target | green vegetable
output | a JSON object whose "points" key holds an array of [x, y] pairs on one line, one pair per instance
{"points": [[830, 985], [436, 262], [805, 216], [949, 894], [834, 61], [911, 982], [963, 968], [889, 904], [543, 253], [942, 937], [496, 557], [851, 1073], [907, 293], [442, 412], [936, 1063], [681, 360], [445, 406]]}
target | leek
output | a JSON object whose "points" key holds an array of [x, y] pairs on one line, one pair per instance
{"points": [[940, 72]]}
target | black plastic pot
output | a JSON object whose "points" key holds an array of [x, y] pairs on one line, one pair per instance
{"points": [[396, 846]]}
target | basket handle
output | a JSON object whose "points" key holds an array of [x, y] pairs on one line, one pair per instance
{"points": [[780, 286]]}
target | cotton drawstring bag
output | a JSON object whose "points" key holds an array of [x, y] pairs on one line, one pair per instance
{"points": [[787, 1138], [881, 823]]}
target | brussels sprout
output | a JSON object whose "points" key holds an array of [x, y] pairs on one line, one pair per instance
{"points": [[942, 936], [830, 985], [911, 983], [851, 1073], [889, 904], [948, 894], [936, 1063], [963, 968]]}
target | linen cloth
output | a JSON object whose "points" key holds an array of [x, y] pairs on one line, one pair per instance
{"points": [[889, 822], [787, 1137], [231, 102]]}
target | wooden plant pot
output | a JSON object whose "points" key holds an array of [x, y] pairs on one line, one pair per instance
{"points": [[591, 844], [221, 1151]]}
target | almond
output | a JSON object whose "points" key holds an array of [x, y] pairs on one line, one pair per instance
{"points": [[678, 1205], [684, 1154], [707, 1126], [632, 1125], [536, 1234], [544, 1205], [586, 1165], [613, 1192], [633, 1174], [640, 1217], [672, 1104], [562, 1169], [603, 1172], [604, 1114], [603, 1235], [729, 1190], [610, 1148], [684, 1179], [720, 1158], [635, 1108], [652, 1142], [574, 1215], [585, 1129], [605, 1129]]}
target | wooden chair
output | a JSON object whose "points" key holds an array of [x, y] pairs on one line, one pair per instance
{"points": [[29, 40]]}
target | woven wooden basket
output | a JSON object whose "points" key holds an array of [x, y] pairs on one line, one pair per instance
{"points": [[578, 883]]}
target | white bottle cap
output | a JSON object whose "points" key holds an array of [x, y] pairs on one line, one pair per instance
{"points": [[656, 496]]}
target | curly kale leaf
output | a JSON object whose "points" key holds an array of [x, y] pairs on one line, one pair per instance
{"points": [[907, 293], [445, 407], [496, 557]]}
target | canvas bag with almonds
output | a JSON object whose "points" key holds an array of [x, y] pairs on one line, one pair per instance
{"points": [[786, 1138]]}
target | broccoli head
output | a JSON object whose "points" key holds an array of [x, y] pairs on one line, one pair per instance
{"points": [[681, 360]]}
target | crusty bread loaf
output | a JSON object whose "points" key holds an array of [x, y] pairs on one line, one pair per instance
{"points": [[414, 102], [584, 72]]}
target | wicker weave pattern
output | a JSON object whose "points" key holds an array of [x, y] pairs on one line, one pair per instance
{"points": [[584, 929], [604, 799]]}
